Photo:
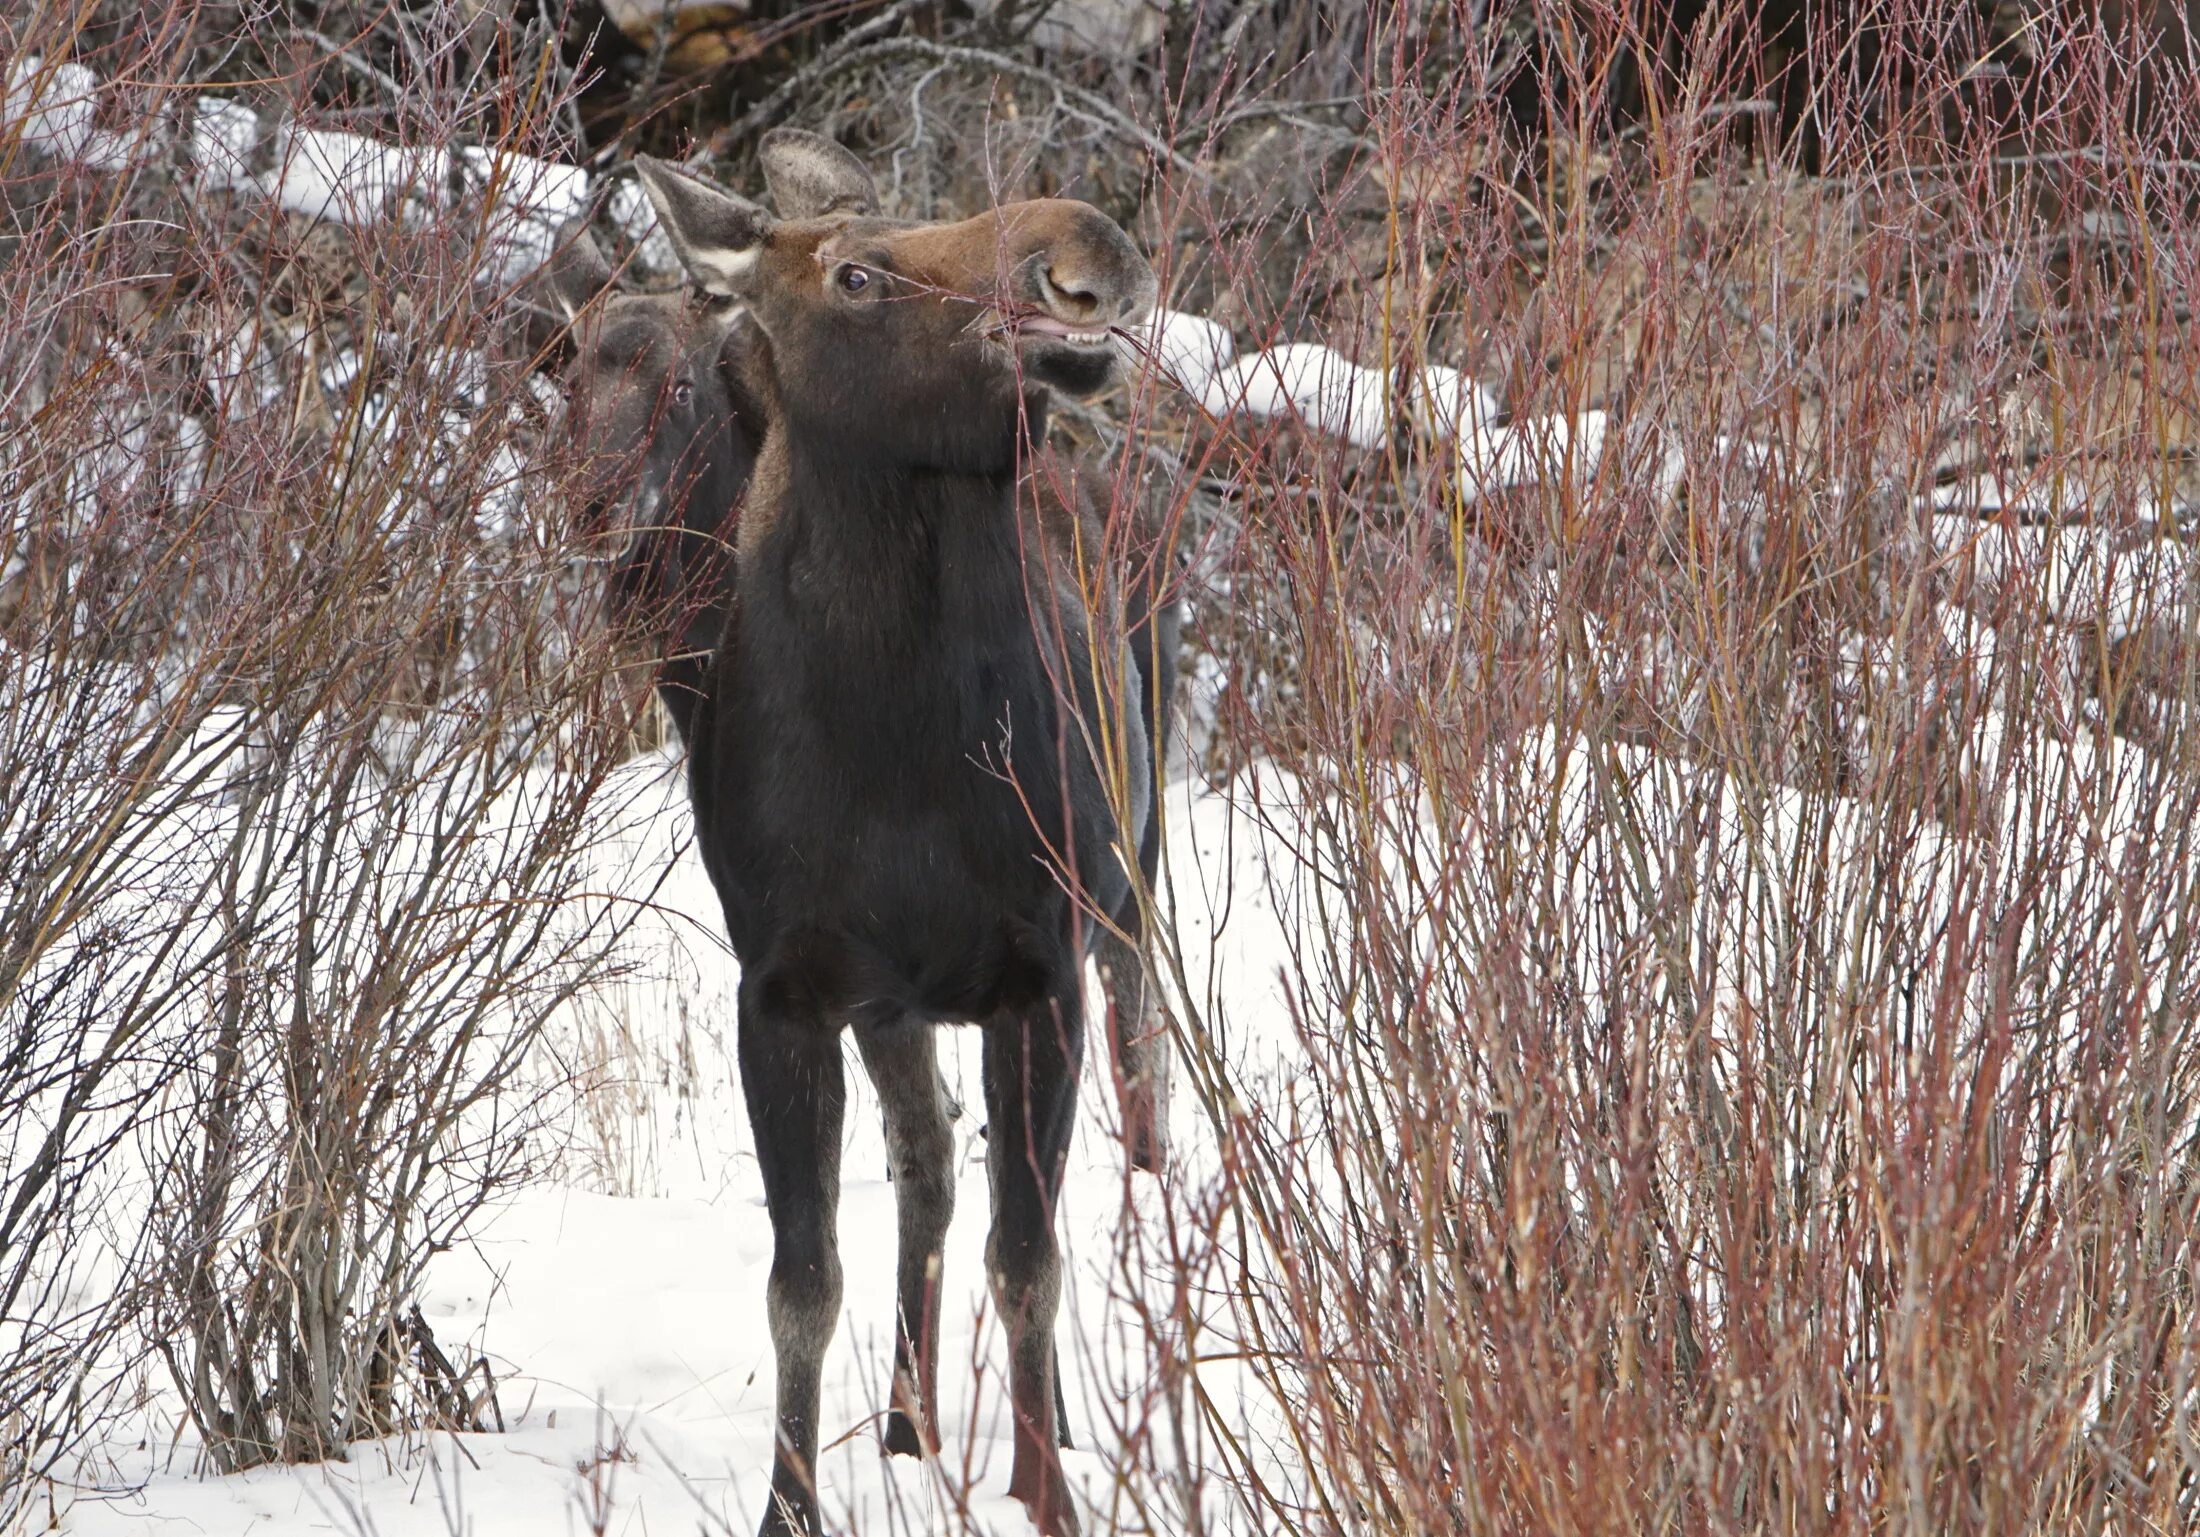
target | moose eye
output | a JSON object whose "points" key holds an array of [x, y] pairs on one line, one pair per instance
{"points": [[682, 393], [854, 280]]}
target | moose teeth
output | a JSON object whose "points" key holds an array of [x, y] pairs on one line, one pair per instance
{"points": [[1084, 338]]}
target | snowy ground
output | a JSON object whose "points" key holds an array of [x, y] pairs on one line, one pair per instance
{"points": [[622, 1304]]}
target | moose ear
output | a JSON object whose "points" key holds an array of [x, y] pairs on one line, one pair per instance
{"points": [[810, 176], [575, 273], [560, 289], [715, 233]]}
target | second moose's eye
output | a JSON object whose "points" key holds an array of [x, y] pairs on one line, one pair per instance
{"points": [[854, 279], [682, 393]]}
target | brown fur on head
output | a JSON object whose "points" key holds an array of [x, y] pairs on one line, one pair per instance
{"points": [[937, 342], [652, 384], [660, 417]]}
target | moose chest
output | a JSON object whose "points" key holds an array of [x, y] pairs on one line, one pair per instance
{"points": [[893, 774]]}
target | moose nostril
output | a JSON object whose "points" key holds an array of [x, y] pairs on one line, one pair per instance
{"points": [[1071, 292]]}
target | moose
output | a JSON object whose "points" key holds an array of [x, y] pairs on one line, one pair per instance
{"points": [[924, 753], [656, 389]]}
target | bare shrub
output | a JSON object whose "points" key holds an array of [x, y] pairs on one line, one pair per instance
{"points": [[1744, 1075], [304, 723]]}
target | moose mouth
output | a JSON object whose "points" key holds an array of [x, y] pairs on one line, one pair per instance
{"points": [[1034, 323]]}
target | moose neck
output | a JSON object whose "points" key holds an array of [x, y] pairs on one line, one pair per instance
{"points": [[701, 602], [887, 531], [884, 531]]}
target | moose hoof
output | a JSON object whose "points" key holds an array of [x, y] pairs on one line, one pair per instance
{"points": [[902, 1436]]}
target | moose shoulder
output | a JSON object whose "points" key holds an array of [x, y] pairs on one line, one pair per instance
{"points": [[929, 743]]}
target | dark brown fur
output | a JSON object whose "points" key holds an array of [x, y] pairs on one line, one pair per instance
{"points": [[656, 395]]}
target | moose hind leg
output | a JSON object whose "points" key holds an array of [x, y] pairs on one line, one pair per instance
{"points": [[1140, 1039], [920, 1149], [1031, 1092], [791, 1077], [1137, 1031]]}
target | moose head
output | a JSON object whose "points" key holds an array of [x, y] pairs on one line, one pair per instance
{"points": [[666, 433], [653, 388], [935, 342]]}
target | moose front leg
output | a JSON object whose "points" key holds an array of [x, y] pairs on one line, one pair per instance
{"points": [[791, 1077], [920, 1150], [1031, 1064]]}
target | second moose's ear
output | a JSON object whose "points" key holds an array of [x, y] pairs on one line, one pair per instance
{"points": [[559, 290], [716, 233], [576, 272]]}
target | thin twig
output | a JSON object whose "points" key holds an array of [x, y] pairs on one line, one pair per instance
{"points": [[975, 59], [1291, 112], [820, 69], [343, 53]]}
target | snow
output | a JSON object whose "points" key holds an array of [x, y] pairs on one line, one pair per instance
{"points": [[621, 1303], [1452, 404], [350, 178], [535, 201], [1187, 350], [1329, 393], [544, 186], [223, 134], [1312, 383], [57, 103], [316, 173], [1531, 451], [2079, 573]]}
